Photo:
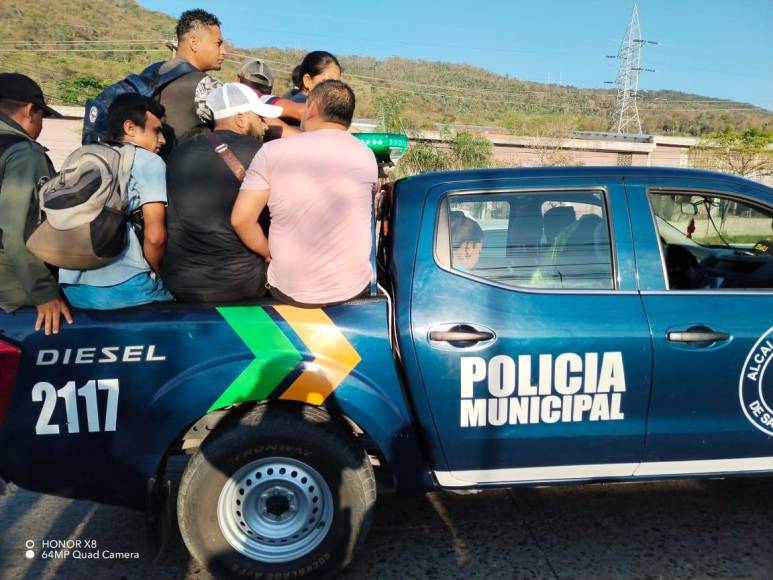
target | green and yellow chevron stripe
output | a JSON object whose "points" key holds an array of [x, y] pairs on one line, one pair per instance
{"points": [[276, 357]]}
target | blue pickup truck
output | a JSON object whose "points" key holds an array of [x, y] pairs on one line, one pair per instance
{"points": [[615, 324]]}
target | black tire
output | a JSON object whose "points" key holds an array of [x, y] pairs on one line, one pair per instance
{"points": [[269, 434]]}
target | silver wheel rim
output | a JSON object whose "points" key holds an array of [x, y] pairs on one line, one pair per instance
{"points": [[275, 509]]}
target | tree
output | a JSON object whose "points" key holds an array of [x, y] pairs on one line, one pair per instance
{"points": [[470, 151], [390, 113], [460, 151], [78, 90], [748, 153], [550, 142]]}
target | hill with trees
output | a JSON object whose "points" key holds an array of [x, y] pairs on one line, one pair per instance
{"points": [[76, 47]]}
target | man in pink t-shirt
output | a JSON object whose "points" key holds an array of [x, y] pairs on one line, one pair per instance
{"points": [[318, 186]]}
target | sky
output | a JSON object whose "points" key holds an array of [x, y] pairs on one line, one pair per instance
{"points": [[716, 48]]}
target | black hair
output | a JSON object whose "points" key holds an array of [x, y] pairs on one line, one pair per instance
{"points": [[296, 76], [463, 229], [131, 107], [261, 88], [315, 63], [336, 101], [193, 19]]}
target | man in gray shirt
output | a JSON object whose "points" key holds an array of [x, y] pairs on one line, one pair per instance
{"points": [[200, 43]]}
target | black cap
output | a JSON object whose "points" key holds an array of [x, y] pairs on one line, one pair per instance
{"points": [[19, 87]]}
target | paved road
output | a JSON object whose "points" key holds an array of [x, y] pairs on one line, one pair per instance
{"points": [[681, 529]]}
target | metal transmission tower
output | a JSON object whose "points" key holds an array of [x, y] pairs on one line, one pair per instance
{"points": [[626, 111]]}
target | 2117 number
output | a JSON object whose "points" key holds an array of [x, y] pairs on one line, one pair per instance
{"points": [[49, 396]]}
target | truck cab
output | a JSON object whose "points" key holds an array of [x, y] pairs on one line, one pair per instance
{"points": [[595, 338]]}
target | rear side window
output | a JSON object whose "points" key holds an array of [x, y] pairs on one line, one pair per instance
{"points": [[541, 240], [714, 242]]}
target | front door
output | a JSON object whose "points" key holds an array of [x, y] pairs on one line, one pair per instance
{"points": [[531, 339], [710, 305]]}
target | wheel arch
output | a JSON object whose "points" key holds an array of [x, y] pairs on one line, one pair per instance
{"points": [[380, 434]]}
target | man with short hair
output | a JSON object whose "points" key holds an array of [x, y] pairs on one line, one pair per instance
{"points": [[132, 278], [205, 260], [318, 187], [24, 279], [200, 43]]}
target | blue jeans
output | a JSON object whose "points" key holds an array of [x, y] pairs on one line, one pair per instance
{"points": [[137, 290]]}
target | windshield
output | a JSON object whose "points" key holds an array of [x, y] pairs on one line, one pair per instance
{"points": [[713, 221]]}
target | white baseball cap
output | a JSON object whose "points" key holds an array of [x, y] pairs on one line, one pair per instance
{"points": [[232, 98]]}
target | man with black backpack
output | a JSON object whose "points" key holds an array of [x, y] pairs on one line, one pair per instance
{"points": [[130, 276], [180, 84], [200, 44], [24, 279]]}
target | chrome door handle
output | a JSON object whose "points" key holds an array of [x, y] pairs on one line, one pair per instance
{"points": [[460, 335], [698, 336], [455, 336]]}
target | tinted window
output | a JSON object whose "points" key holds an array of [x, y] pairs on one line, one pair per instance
{"points": [[532, 240], [714, 242]]}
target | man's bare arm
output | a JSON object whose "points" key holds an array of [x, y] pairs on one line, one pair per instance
{"points": [[290, 109], [244, 219], [154, 234], [278, 128]]}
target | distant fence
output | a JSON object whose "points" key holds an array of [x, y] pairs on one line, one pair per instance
{"points": [[62, 136]]}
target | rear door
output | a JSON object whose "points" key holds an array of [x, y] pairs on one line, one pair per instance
{"points": [[535, 357], [707, 287]]}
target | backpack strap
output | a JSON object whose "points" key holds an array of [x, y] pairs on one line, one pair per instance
{"points": [[159, 80], [126, 161], [227, 155]]}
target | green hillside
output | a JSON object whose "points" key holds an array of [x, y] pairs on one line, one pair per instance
{"points": [[74, 47]]}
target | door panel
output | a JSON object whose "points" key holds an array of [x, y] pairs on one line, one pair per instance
{"points": [[564, 380], [710, 393]]}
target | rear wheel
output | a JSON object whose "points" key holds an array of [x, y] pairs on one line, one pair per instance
{"points": [[282, 491]]}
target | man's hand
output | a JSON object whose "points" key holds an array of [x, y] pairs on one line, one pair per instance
{"points": [[49, 315]]}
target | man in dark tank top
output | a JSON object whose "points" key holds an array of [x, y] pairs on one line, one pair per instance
{"points": [[200, 43]]}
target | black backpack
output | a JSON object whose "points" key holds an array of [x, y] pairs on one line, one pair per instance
{"points": [[148, 83]]}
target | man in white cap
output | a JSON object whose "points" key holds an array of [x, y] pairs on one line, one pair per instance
{"points": [[205, 260]]}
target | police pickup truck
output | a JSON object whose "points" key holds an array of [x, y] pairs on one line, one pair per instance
{"points": [[615, 325]]}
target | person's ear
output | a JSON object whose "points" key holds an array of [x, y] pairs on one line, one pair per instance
{"points": [[306, 82], [193, 42], [129, 128], [312, 109], [28, 111], [240, 120]]}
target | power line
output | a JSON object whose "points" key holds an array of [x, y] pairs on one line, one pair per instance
{"points": [[468, 91], [57, 42], [521, 98], [17, 50]]}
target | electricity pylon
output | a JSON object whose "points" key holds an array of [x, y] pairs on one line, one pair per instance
{"points": [[627, 81]]}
